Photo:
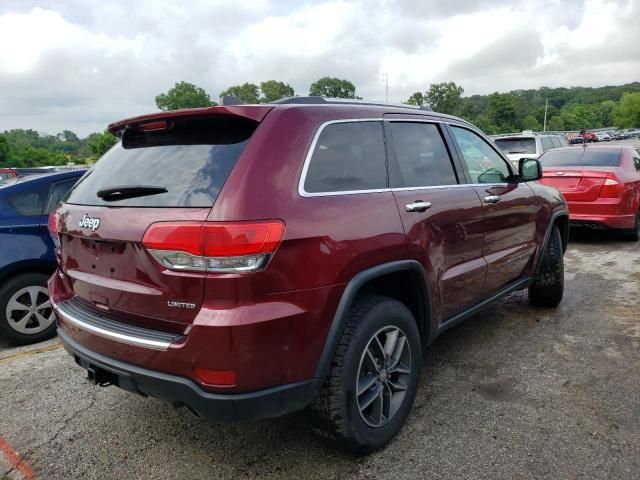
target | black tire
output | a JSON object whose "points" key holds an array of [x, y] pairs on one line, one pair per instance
{"points": [[548, 286], [10, 287], [335, 412], [634, 234]]}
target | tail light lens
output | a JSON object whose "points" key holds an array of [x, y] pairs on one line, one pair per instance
{"points": [[214, 247], [53, 224], [611, 188]]}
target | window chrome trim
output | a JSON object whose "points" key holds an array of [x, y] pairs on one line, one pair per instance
{"points": [[303, 193], [303, 176]]}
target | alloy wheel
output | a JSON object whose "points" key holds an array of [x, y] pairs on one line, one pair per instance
{"points": [[29, 310], [383, 376]]}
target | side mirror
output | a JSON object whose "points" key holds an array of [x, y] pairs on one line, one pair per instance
{"points": [[529, 169]]}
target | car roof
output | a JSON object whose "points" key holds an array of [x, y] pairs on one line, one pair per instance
{"points": [[42, 178], [259, 112]]}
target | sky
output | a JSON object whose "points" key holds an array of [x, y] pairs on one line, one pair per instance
{"points": [[80, 64]]}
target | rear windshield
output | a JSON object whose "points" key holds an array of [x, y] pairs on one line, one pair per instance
{"points": [[191, 159], [581, 157], [517, 145]]}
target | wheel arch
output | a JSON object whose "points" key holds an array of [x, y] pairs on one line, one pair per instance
{"points": [[18, 268], [403, 280]]}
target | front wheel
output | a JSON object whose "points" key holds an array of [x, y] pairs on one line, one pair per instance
{"points": [[373, 379], [548, 287]]}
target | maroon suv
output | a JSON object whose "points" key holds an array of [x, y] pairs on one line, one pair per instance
{"points": [[248, 261]]}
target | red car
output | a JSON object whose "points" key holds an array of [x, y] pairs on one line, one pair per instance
{"points": [[601, 185], [7, 173], [248, 261]]}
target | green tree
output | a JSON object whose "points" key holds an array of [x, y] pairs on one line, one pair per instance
{"points": [[247, 92], [501, 111], [484, 124], [627, 114], [4, 150], [606, 112], [417, 99], [555, 123], [100, 143], [332, 88], [444, 97], [183, 95], [273, 90], [530, 123]]}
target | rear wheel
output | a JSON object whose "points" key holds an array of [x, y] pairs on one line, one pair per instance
{"points": [[548, 287], [373, 379], [634, 233], [26, 315]]}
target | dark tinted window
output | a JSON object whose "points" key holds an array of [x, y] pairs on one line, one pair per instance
{"points": [[517, 145], [30, 203], [421, 154], [483, 162], [547, 144], [347, 157], [581, 157], [636, 160], [58, 190], [191, 159]]}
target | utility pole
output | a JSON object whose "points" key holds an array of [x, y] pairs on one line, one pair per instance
{"points": [[385, 79], [546, 105]]}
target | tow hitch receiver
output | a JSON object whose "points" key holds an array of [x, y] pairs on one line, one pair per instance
{"points": [[97, 375]]}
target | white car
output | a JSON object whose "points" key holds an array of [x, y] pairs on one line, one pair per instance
{"points": [[527, 145], [603, 137]]}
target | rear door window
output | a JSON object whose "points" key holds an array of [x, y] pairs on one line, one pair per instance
{"points": [[581, 157], [348, 157], [421, 155], [547, 144], [58, 190], [191, 159], [30, 203]]}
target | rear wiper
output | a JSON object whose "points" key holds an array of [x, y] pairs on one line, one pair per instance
{"points": [[122, 192]]}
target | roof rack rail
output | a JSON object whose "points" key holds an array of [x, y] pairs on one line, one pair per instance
{"points": [[316, 100]]}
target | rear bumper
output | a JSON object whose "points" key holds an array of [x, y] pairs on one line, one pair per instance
{"points": [[266, 403], [593, 220], [602, 213]]}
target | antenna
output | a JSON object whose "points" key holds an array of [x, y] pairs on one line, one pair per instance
{"points": [[385, 79]]}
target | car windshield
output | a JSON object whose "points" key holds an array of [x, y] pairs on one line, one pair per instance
{"points": [[517, 145], [581, 157]]}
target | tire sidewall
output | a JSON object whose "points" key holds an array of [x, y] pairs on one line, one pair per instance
{"points": [[387, 313], [8, 289]]}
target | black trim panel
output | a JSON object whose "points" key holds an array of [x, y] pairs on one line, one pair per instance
{"points": [[271, 402], [512, 287]]}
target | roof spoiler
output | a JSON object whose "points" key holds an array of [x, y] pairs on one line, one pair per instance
{"points": [[250, 112]]}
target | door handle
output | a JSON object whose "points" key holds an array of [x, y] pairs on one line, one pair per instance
{"points": [[417, 206], [491, 199]]}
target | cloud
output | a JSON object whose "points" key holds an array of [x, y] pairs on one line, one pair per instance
{"points": [[80, 65]]}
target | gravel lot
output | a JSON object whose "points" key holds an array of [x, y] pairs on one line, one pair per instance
{"points": [[515, 392]]}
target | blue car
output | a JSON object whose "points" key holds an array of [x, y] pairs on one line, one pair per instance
{"points": [[27, 257]]}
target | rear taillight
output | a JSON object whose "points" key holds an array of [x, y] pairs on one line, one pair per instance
{"points": [[212, 246], [53, 224], [611, 188]]}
